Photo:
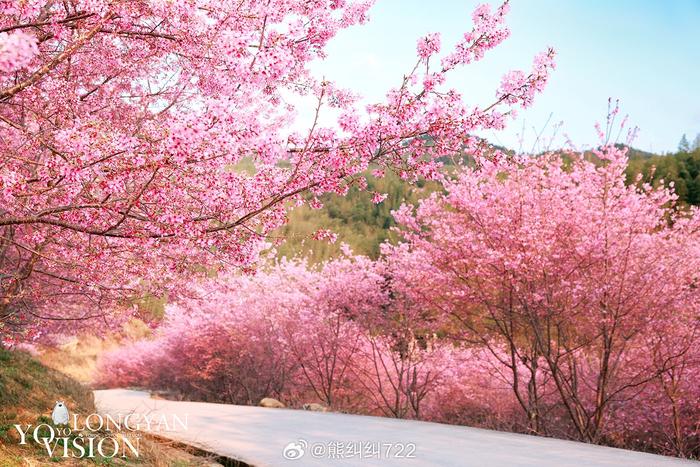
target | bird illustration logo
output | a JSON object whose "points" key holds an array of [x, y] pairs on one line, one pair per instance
{"points": [[60, 413]]}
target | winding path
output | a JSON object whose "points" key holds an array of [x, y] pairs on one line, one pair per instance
{"points": [[259, 436]]}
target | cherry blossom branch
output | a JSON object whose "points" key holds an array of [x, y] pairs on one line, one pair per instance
{"points": [[6, 94]]}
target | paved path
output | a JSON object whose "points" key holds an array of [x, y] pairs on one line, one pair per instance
{"points": [[258, 436]]}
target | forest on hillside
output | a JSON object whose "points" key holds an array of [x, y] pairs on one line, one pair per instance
{"points": [[364, 225]]}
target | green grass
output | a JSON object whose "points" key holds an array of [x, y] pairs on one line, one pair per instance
{"points": [[28, 392], [27, 383]]}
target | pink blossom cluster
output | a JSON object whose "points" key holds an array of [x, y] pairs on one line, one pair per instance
{"points": [[520, 88], [428, 45], [17, 49], [378, 197], [489, 31], [325, 235]]}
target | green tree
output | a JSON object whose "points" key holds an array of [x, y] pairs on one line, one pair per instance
{"points": [[696, 142]]}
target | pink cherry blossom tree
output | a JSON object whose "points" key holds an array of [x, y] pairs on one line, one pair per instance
{"points": [[323, 331], [294, 332], [583, 288], [145, 142], [398, 375]]}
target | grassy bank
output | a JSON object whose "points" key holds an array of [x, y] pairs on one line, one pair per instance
{"points": [[28, 392]]}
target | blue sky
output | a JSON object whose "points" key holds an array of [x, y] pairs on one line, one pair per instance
{"points": [[646, 53]]}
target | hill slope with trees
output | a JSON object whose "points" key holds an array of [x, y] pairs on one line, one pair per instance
{"points": [[364, 225]]}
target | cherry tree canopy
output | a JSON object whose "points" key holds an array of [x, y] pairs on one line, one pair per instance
{"points": [[583, 287], [144, 141]]}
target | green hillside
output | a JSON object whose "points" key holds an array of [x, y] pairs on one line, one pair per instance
{"points": [[365, 226], [355, 218], [681, 168]]}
